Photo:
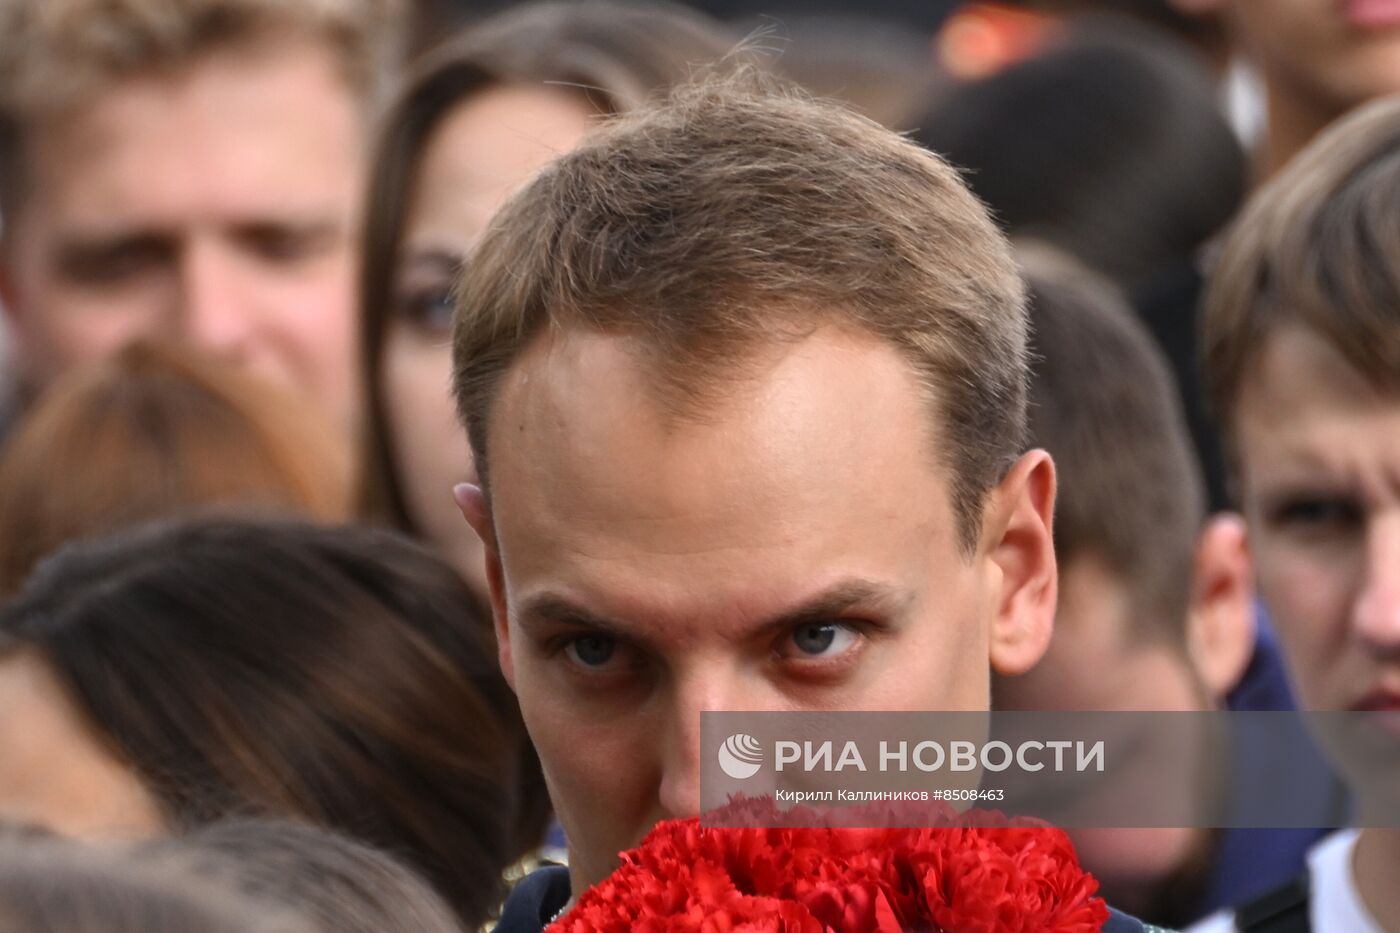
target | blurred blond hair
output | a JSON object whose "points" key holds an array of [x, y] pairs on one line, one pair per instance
{"points": [[59, 55]]}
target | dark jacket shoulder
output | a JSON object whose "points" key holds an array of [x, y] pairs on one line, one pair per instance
{"points": [[1122, 923], [535, 900]]}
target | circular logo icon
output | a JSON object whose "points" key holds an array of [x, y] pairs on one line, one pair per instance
{"points": [[740, 756]]}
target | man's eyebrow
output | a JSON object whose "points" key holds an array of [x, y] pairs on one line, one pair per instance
{"points": [[82, 253], [837, 600], [81, 242], [307, 226], [550, 608], [830, 604]]}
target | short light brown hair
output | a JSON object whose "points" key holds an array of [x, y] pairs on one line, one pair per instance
{"points": [[151, 433], [57, 56], [1317, 247], [738, 214], [1104, 404]]}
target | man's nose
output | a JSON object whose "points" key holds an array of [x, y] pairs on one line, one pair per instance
{"points": [[1376, 617], [715, 689], [215, 315]]}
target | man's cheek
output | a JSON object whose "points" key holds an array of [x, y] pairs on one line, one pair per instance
{"points": [[568, 743], [1306, 611], [86, 329], [1303, 599]]}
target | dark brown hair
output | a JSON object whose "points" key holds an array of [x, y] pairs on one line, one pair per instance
{"points": [[740, 213], [1109, 145], [1103, 403], [615, 54], [342, 676], [150, 433], [1317, 247]]}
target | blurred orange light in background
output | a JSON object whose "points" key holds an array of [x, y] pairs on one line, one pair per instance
{"points": [[981, 39]]}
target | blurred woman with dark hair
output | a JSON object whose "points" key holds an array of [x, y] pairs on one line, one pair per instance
{"points": [[480, 116], [149, 434], [168, 677]]}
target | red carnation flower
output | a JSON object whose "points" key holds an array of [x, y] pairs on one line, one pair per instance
{"points": [[945, 875]]}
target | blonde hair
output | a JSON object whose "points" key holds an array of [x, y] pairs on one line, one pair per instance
{"points": [[740, 213], [1317, 247], [56, 55]]}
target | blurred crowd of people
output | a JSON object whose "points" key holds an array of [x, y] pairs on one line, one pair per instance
{"points": [[260, 671]]}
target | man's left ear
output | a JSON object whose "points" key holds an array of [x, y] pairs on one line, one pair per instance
{"points": [[471, 500], [1018, 538], [1221, 625]]}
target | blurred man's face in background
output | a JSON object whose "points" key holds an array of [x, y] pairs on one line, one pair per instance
{"points": [[1097, 630], [1320, 477], [791, 547], [214, 205], [1143, 664]]}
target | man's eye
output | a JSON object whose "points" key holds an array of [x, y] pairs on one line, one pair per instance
{"points": [[819, 640], [289, 244], [104, 263], [1306, 513], [591, 651]]}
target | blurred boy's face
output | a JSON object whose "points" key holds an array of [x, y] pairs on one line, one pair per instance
{"points": [[1320, 470], [214, 206], [792, 548]]}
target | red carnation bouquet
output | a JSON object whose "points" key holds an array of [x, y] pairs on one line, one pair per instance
{"points": [[945, 875]]}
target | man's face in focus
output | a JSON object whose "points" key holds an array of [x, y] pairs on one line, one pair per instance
{"points": [[792, 547], [214, 205]]}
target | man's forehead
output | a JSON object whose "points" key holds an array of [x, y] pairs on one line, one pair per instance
{"points": [[835, 429], [1297, 378], [584, 388], [277, 126], [1303, 406]]}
